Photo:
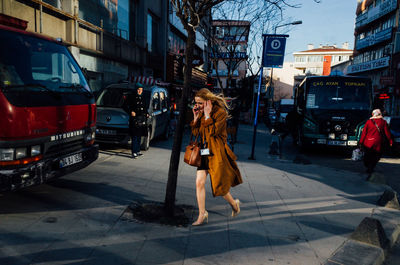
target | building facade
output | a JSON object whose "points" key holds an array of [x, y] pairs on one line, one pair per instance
{"points": [[113, 40], [177, 37], [283, 80], [376, 51], [228, 56], [311, 61]]}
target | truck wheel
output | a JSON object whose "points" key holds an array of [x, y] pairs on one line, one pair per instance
{"points": [[146, 140]]}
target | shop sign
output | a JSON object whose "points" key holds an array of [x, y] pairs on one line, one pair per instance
{"points": [[387, 80], [367, 66], [229, 55]]}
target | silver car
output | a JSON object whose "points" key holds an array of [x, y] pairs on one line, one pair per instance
{"points": [[113, 121]]}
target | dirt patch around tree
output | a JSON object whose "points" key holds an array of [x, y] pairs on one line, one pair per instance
{"points": [[153, 212]]}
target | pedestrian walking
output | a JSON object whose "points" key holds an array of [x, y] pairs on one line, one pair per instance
{"points": [[137, 119], [210, 122], [374, 135]]}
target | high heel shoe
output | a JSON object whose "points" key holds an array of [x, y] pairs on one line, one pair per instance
{"points": [[205, 218], [235, 213]]}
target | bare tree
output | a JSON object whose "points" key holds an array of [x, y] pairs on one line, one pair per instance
{"points": [[262, 16], [190, 13]]}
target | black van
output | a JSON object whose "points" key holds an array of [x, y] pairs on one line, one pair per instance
{"points": [[113, 121]]}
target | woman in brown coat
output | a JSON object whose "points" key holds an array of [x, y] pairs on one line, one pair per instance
{"points": [[210, 114]]}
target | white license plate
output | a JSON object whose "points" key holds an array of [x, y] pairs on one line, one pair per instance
{"points": [[107, 132], [340, 143], [70, 160]]}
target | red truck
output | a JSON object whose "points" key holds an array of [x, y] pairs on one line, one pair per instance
{"points": [[47, 110]]}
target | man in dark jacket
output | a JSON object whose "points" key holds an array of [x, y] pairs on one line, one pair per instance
{"points": [[137, 119]]}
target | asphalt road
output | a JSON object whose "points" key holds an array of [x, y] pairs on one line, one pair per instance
{"points": [[337, 158]]}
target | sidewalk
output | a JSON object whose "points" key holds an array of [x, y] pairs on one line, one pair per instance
{"points": [[290, 214]]}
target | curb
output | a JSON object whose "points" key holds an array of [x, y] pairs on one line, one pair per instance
{"points": [[357, 252]]}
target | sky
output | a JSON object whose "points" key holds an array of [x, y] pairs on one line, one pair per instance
{"points": [[329, 22]]}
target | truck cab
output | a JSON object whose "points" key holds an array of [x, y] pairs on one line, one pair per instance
{"points": [[47, 110]]}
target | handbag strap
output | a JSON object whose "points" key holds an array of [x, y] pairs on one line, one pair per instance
{"points": [[379, 130], [191, 136]]}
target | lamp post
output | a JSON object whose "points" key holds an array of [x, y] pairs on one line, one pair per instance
{"points": [[270, 92]]}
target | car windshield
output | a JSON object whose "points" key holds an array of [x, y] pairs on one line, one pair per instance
{"points": [[339, 95], [28, 64], [115, 97], [286, 108]]}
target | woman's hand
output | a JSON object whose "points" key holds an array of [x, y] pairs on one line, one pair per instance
{"points": [[196, 113], [133, 114], [207, 108]]}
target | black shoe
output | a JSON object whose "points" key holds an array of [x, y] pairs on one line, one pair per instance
{"points": [[139, 154], [134, 155]]}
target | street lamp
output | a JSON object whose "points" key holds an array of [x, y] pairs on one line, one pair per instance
{"points": [[270, 92]]}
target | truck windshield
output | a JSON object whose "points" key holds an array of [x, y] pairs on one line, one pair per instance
{"points": [[339, 95], [33, 64]]}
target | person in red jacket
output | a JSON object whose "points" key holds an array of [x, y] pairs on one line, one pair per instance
{"points": [[372, 139]]}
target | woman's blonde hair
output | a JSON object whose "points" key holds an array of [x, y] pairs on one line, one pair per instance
{"points": [[218, 100]]}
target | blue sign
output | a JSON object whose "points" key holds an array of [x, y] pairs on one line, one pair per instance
{"points": [[274, 50]]}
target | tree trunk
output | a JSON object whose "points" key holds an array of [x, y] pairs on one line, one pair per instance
{"points": [[176, 148]]}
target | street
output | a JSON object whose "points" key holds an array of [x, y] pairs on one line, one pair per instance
{"points": [[291, 213]]}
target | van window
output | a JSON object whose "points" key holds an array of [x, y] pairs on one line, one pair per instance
{"points": [[156, 101], [163, 99]]}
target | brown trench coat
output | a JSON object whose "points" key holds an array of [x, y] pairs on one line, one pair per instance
{"points": [[223, 170]]}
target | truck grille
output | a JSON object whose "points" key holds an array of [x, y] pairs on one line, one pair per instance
{"points": [[62, 148]]}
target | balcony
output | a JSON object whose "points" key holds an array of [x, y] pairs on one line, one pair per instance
{"points": [[374, 39], [376, 12]]}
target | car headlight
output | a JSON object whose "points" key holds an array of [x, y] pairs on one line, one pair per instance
{"points": [[20, 152], [6, 154], [331, 136], [35, 150]]}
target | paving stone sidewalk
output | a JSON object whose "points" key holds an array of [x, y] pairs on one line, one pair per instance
{"points": [[291, 213]]}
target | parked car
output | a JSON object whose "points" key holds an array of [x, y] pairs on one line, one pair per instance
{"points": [[113, 121], [394, 126]]}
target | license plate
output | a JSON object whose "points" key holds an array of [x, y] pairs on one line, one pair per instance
{"points": [[107, 132], [340, 143], [70, 160]]}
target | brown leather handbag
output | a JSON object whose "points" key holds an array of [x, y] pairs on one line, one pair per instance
{"points": [[192, 153]]}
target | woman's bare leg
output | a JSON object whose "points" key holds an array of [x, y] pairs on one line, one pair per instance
{"points": [[228, 197], [201, 177]]}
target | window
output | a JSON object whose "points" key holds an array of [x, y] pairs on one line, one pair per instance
{"points": [[233, 83], [164, 100], [132, 21], [152, 33], [55, 3], [149, 32], [156, 101]]}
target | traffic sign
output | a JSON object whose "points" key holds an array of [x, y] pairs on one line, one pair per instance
{"points": [[274, 50]]}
